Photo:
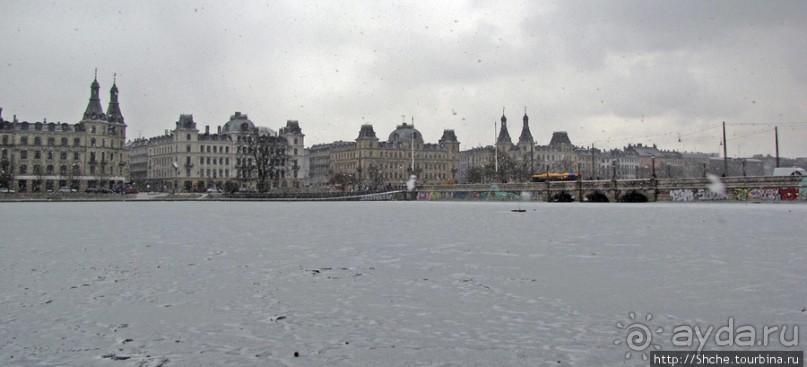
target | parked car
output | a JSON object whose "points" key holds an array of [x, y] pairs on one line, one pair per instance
{"points": [[789, 171], [130, 190], [6, 190], [213, 190], [67, 190]]}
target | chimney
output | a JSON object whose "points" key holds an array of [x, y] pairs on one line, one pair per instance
{"points": [[207, 129], [219, 129], [166, 132]]}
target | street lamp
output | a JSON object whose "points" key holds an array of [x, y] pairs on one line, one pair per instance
{"points": [[613, 169]]}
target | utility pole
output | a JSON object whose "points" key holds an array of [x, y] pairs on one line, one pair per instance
{"points": [[776, 131], [725, 155], [413, 145], [495, 148]]}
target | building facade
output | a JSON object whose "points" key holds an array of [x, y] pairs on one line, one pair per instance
{"points": [[187, 159], [370, 163], [46, 156]]}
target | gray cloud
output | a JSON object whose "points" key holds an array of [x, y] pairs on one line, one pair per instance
{"points": [[609, 72]]}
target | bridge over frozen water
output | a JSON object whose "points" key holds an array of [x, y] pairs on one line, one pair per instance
{"points": [[751, 188]]}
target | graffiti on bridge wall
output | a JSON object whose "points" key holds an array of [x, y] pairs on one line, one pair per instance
{"points": [[767, 194], [803, 189], [679, 195], [682, 195], [699, 195], [741, 194], [789, 193]]}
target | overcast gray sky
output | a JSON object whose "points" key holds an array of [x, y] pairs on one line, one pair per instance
{"points": [[608, 72]]}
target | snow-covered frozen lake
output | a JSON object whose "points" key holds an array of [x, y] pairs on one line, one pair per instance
{"points": [[385, 283]]}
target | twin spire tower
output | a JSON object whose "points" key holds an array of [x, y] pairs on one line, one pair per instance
{"points": [[94, 110]]}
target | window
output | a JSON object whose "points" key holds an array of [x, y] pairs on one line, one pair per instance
{"points": [[63, 170], [51, 141], [23, 140], [5, 139], [64, 142], [37, 154], [76, 141], [37, 140], [188, 138], [188, 148], [23, 154], [50, 155], [226, 149], [49, 169], [92, 142], [23, 169], [201, 149], [63, 155], [5, 154], [75, 156]]}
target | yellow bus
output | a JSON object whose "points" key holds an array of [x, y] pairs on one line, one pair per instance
{"points": [[554, 176]]}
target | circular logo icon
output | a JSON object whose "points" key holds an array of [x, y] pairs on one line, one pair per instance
{"points": [[638, 337]]}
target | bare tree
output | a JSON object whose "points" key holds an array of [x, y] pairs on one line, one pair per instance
{"points": [[264, 154], [6, 172], [374, 178]]}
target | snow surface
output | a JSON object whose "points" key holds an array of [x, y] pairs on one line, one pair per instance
{"points": [[384, 283]]}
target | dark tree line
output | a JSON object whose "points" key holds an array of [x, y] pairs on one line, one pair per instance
{"points": [[262, 155], [509, 170]]}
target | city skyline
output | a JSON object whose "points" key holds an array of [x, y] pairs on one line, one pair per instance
{"points": [[611, 74]]}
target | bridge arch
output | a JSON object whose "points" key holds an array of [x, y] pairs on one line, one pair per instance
{"points": [[633, 196], [597, 196]]}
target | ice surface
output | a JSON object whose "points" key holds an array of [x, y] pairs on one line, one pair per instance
{"points": [[383, 283]]}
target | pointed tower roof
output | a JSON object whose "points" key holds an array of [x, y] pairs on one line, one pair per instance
{"points": [[94, 110], [559, 138], [526, 135], [504, 135], [113, 111]]}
